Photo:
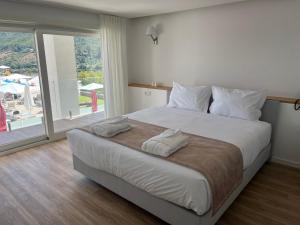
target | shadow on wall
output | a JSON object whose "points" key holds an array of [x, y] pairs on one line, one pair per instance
{"points": [[286, 136]]}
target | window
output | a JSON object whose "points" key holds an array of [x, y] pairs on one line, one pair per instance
{"points": [[21, 108]]}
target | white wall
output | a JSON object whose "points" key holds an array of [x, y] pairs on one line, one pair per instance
{"points": [[41, 15], [287, 137], [67, 75], [62, 75], [52, 76], [252, 44]]}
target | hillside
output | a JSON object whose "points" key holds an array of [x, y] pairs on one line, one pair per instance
{"points": [[17, 50]]}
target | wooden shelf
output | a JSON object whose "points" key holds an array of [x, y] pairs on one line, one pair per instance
{"points": [[282, 99], [168, 88], [149, 86]]}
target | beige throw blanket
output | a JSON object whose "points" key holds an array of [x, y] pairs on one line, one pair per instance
{"points": [[220, 162]]}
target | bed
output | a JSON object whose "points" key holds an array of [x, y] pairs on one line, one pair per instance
{"points": [[176, 194]]}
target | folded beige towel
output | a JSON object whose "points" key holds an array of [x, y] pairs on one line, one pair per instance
{"points": [[165, 143], [111, 127]]}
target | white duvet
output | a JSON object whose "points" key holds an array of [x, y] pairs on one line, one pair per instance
{"points": [[182, 186]]}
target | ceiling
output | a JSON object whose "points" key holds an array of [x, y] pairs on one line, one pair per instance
{"points": [[131, 8]]}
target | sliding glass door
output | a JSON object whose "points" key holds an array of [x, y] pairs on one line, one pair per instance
{"points": [[74, 79], [21, 100], [50, 82]]}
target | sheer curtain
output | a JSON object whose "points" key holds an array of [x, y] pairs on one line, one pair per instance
{"points": [[113, 35]]}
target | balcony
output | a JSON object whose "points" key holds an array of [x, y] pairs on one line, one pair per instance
{"points": [[73, 83]]}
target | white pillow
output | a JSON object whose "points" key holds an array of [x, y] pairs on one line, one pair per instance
{"points": [[188, 97], [243, 104]]}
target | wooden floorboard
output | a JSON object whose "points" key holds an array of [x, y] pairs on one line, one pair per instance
{"points": [[39, 187]]}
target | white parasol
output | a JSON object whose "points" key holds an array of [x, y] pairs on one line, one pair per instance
{"points": [[4, 67], [12, 88], [92, 86], [16, 76]]}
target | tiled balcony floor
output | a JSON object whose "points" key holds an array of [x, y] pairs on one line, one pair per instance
{"points": [[39, 130]]}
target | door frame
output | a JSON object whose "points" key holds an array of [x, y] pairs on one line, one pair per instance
{"points": [[40, 138], [38, 31]]}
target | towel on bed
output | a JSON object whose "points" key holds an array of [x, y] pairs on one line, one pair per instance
{"points": [[165, 143], [111, 127]]}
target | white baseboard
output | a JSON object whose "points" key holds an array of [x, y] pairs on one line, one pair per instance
{"points": [[285, 162]]}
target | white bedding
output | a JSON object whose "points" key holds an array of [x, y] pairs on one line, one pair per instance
{"points": [[169, 181]]}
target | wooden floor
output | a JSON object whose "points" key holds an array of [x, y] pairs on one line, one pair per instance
{"points": [[39, 186]]}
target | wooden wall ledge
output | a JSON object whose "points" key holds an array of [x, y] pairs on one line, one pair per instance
{"points": [[158, 87], [282, 99], [168, 88]]}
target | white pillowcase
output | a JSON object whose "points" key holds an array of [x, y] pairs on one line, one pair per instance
{"points": [[243, 104], [188, 97]]}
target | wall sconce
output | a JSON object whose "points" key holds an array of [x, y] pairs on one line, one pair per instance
{"points": [[152, 32]]}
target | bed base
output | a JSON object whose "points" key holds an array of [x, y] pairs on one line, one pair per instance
{"points": [[163, 209]]}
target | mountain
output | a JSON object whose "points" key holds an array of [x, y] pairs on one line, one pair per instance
{"points": [[17, 50], [88, 54]]}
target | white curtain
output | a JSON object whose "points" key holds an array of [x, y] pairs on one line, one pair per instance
{"points": [[113, 35]]}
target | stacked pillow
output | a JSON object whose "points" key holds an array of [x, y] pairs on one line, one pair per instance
{"points": [[242, 104], [236, 103], [192, 98]]}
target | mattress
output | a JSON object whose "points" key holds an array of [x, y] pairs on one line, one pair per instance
{"points": [[177, 184]]}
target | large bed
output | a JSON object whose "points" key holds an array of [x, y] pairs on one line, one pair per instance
{"points": [[174, 193]]}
